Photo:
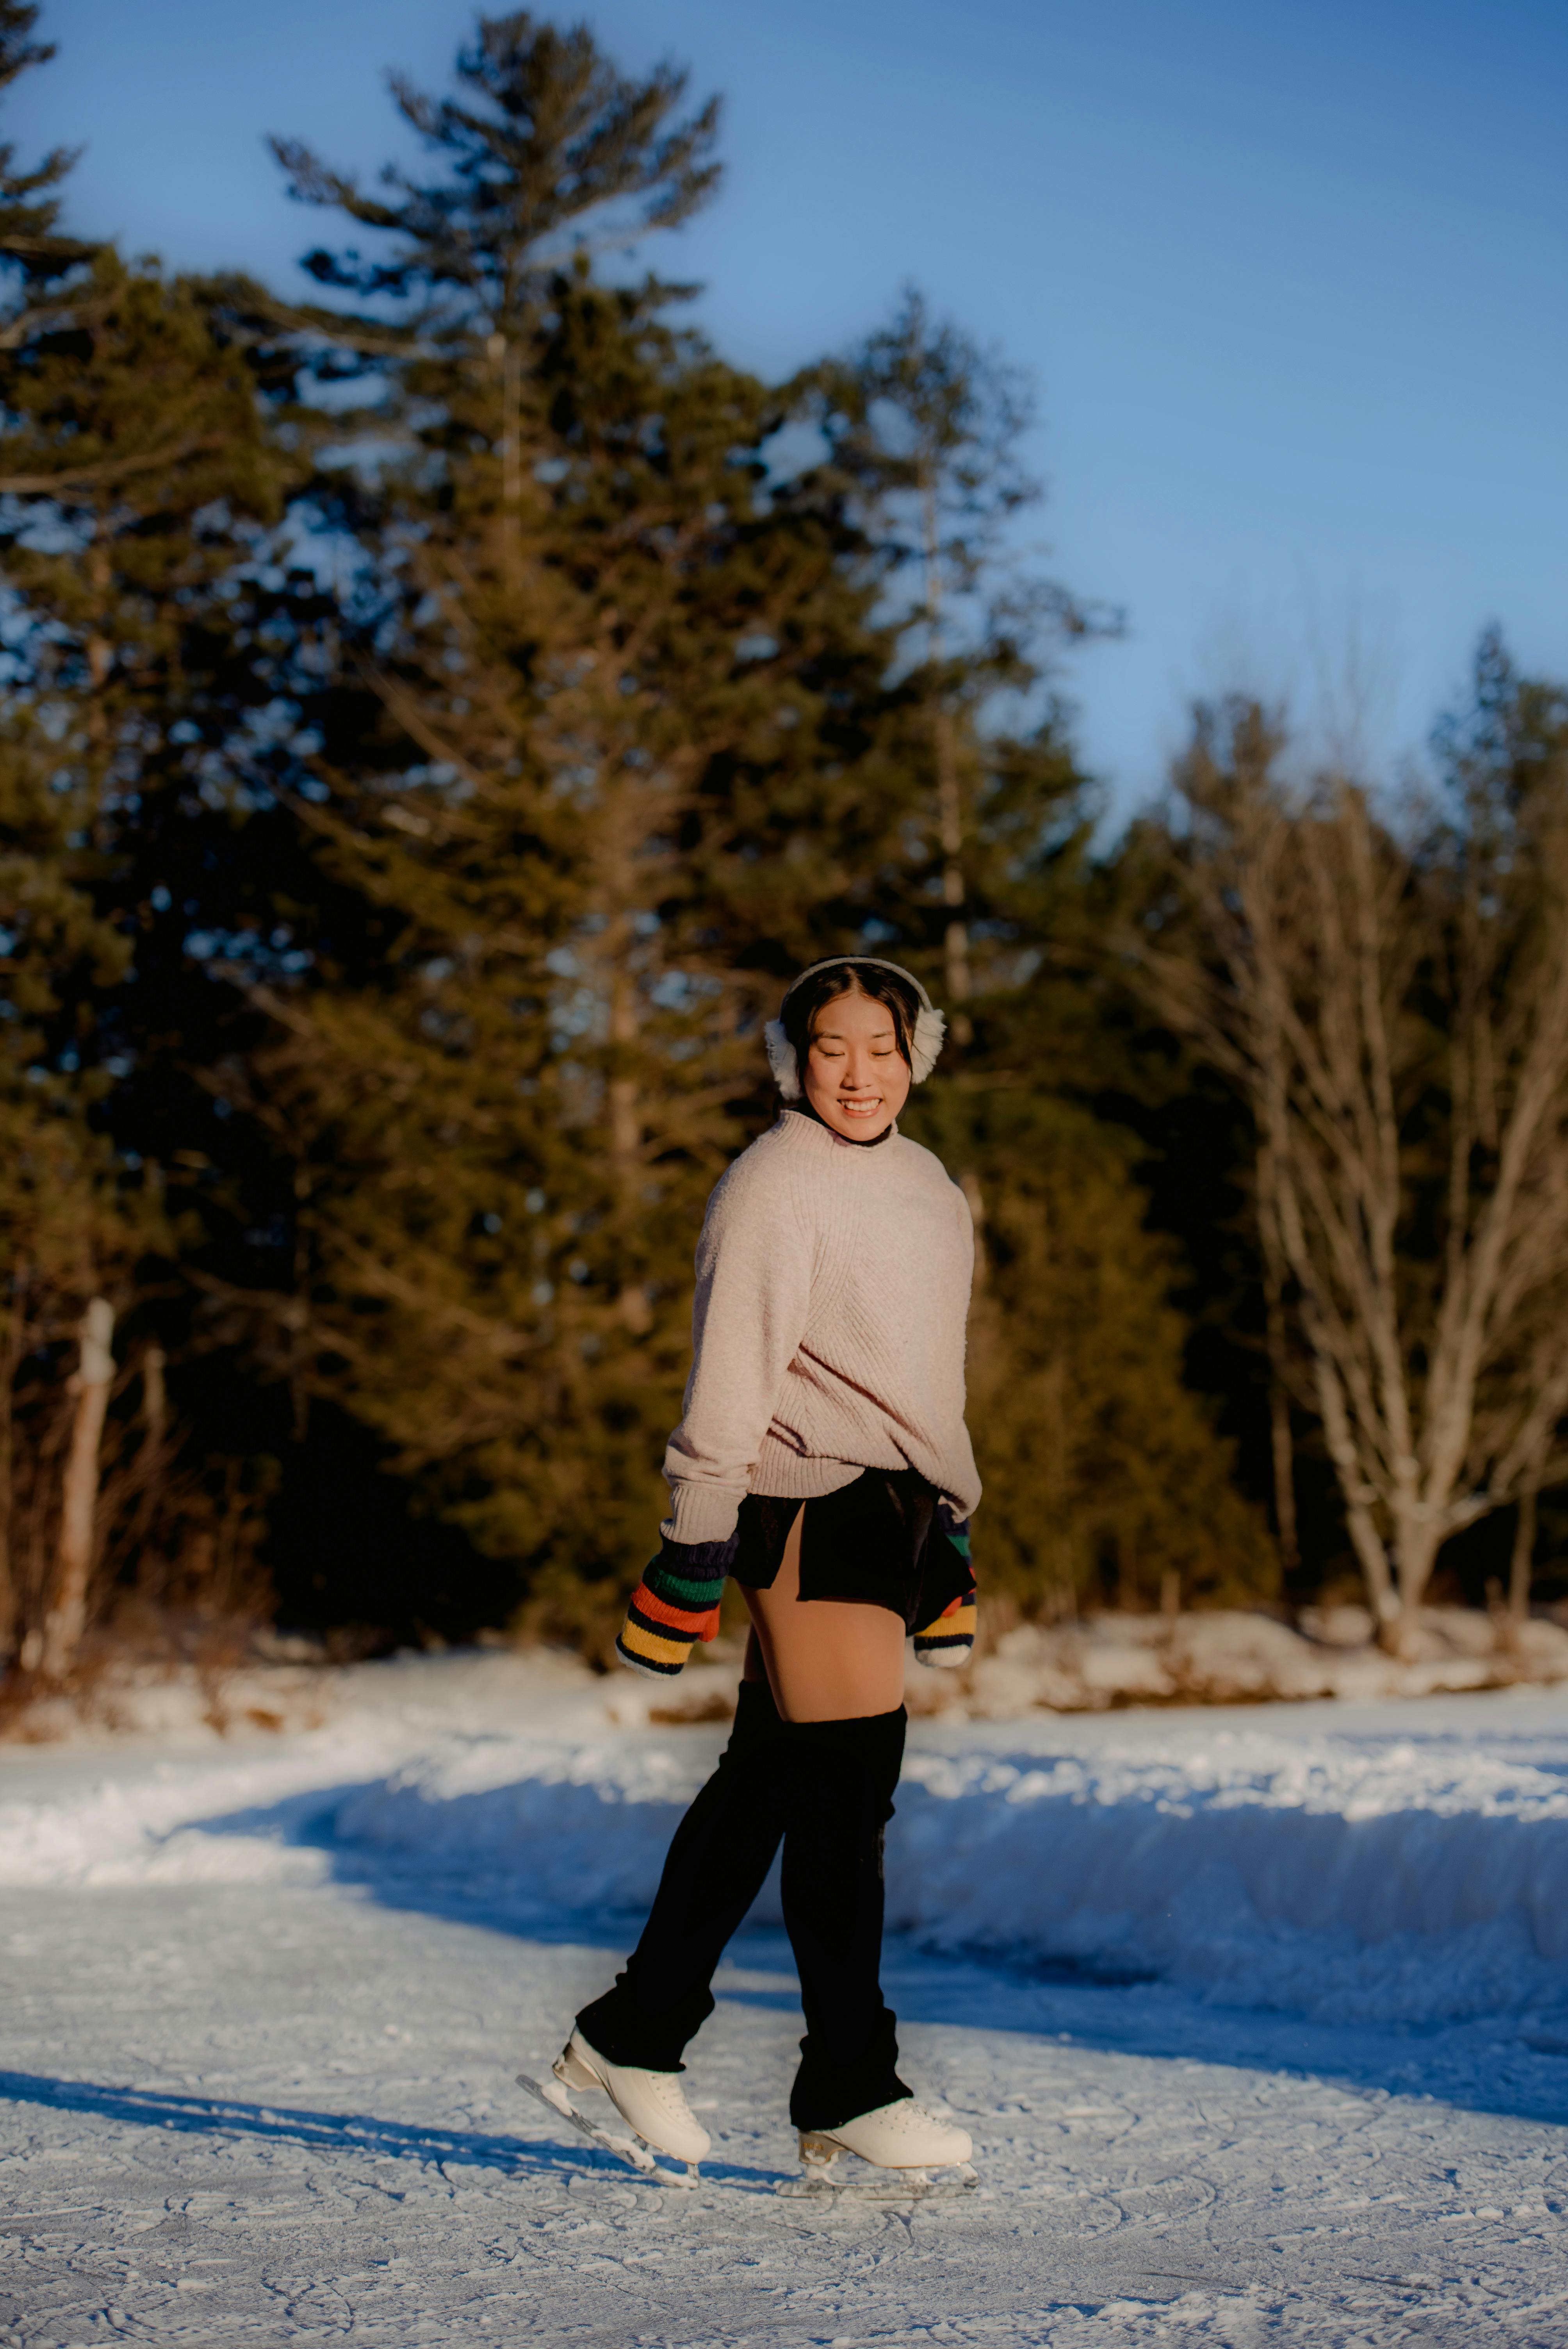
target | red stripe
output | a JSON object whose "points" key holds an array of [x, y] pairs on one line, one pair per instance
{"points": [[685, 1620]]}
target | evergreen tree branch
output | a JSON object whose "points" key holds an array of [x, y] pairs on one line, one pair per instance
{"points": [[111, 470]]}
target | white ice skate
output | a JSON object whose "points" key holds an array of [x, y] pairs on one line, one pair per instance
{"points": [[900, 2137], [651, 2103]]}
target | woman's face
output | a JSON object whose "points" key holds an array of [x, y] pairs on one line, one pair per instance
{"points": [[857, 1079]]}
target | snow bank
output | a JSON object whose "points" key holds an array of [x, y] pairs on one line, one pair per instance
{"points": [[579, 1828], [1397, 1881], [195, 1802], [1367, 1878], [1396, 1862], [150, 1824]]}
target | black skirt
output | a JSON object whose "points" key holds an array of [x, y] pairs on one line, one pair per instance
{"points": [[879, 1542]]}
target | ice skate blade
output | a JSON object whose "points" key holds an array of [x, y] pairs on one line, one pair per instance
{"points": [[553, 2095], [826, 2182]]}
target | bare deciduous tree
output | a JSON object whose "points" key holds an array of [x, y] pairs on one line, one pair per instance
{"points": [[1396, 1011]]}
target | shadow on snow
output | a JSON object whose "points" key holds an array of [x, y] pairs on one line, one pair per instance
{"points": [[332, 2132], [1096, 2008]]}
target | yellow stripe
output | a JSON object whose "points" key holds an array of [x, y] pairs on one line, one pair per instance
{"points": [[959, 1624], [955, 1615], [644, 1643]]}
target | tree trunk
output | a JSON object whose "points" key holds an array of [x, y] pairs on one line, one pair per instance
{"points": [[154, 1458], [1523, 1558], [625, 1114], [1282, 1450], [1415, 1553], [1283, 1456], [154, 1393], [66, 1619], [949, 797], [15, 1337], [506, 356], [950, 818]]}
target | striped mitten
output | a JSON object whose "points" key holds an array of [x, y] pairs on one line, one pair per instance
{"points": [[947, 1640], [675, 1604]]}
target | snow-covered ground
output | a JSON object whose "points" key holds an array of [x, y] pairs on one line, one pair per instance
{"points": [[1259, 2017]]}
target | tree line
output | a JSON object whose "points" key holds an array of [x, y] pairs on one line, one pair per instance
{"points": [[437, 715]]}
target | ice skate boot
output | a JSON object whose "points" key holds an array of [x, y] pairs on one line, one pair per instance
{"points": [[651, 2103], [902, 2136]]}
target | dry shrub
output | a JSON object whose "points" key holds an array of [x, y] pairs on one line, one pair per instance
{"points": [[175, 1575]]}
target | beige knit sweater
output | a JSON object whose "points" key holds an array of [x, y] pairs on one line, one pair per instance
{"points": [[833, 1288]]}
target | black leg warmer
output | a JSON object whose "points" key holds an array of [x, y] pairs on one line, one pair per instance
{"points": [[721, 1852], [841, 1776]]}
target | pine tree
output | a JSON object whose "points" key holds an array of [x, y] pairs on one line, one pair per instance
{"points": [[130, 457], [606, 760], [928, 429], [56, 1179], [35, 249]]}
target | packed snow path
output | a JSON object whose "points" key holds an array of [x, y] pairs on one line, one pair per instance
{"points": [[261, 2022]]}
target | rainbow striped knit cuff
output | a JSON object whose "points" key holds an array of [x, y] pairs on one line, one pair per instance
{"points": [[947, 1642], [675, 1605]]}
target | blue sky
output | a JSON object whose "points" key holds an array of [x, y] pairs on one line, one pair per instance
{"points": [[1291, 275]]}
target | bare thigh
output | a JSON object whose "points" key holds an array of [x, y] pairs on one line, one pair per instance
{"points": [[824, 1659]]}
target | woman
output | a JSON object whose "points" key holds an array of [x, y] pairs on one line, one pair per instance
{"points": [[823, 1462]]}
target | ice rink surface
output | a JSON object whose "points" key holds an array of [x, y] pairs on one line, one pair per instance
{"points": [[1260, 2021]]}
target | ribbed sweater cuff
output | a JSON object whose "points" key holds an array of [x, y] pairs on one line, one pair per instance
{"points": [[702, 1514]]}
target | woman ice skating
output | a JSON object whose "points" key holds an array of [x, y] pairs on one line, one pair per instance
{"points": [[823, 1462]]}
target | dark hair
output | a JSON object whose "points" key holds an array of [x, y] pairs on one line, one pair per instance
{"points": [[851, 977]]}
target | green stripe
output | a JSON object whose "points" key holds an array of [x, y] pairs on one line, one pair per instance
{"points": [[681, 1593]]}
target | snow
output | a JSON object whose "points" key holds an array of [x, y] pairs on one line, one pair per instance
{"points": [[1259, 2017]]}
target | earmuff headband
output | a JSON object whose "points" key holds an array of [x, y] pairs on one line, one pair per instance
{"points": [[930, 1026]]}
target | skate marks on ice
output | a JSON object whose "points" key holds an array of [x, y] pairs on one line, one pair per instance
{"points": [[322, 2140], [1312, 2212], [616, 2268]]}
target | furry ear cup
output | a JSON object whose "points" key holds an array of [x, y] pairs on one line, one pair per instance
{"points": [[781, 1059], [930, 1027]]}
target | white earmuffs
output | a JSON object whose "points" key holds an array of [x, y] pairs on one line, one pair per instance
{"points": [[930, 1027]]}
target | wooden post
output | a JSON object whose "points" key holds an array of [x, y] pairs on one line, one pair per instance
{"points": [[66, 1619]]}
